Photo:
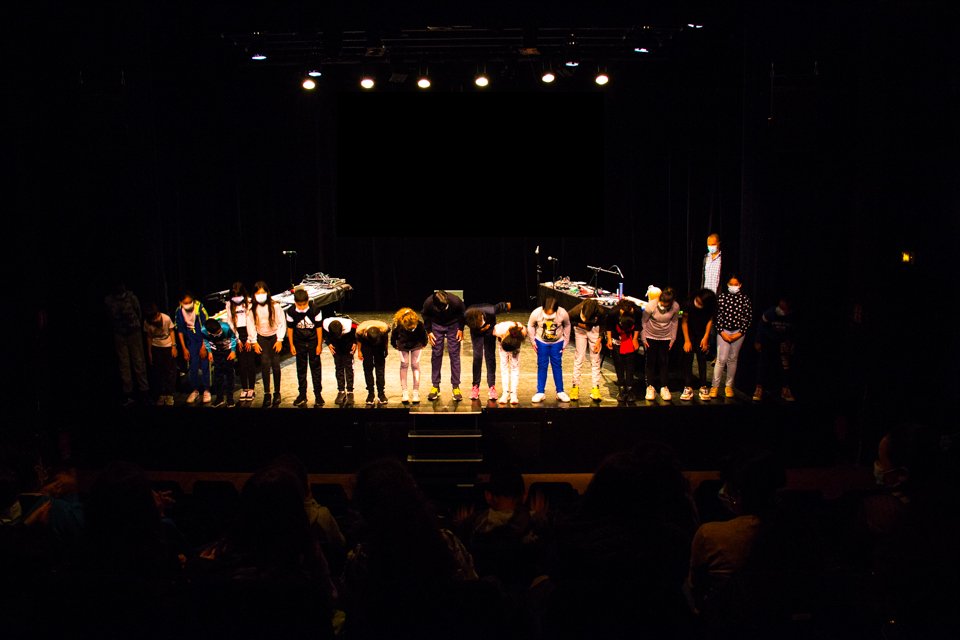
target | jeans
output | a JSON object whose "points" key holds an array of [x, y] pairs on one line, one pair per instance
{"points": [[222, 374], [585, 341], [687, 364], [484, 348], [343, 364], [448, 334], [374, 360], [198, 372], [269, 361], [624, 364], [727, 355], [307, 355], [549, 353], [130, 355], [246, 360]]}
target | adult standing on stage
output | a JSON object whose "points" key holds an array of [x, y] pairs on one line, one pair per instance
{"points": [[443, 315], [586, 318], [712, 264], [123, 309]]}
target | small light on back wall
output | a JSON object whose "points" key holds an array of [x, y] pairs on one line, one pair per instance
{"points": [[907, 257]]}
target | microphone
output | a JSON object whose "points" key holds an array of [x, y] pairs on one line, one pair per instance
{"points": [[289, 253], [536, 251], [553, 259]]}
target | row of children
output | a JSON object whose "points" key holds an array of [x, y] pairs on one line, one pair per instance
{"points": [[256, 325]]}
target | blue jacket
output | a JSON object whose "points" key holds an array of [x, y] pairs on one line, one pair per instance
{"points": [[223, 343]]}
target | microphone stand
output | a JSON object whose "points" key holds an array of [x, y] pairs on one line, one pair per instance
{"points": [[596, 275]]}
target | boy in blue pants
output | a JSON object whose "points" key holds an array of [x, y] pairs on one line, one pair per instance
{"points": [[188, 320]]}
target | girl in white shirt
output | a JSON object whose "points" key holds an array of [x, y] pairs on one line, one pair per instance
{"points": [[267, 324], [238, 310]]}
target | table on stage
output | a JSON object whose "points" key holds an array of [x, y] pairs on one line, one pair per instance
{"points": [[322, 289], [569, 294]]}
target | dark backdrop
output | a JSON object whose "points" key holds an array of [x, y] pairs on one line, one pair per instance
{"points": [[820, 140]]}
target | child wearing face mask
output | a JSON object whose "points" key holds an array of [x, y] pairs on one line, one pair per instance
{"points": [[697, 324], [163, 352], [509, 336], [305, 332], [660, 320], [238, 310], [734, 315], [188, 321], [586, 318], [268, 324], [221, 344], [774, 343]]}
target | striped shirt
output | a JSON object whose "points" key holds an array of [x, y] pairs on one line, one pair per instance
{"points": [[711, 272], [734, 312]]}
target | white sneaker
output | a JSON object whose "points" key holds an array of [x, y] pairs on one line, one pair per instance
{"points": [[505, 398], [193, 396], [206, 396], [651, 393], [687, 394], [537, 397], [562, 396], [514, 399], [405, 397], [665, 394], [416, 396]]}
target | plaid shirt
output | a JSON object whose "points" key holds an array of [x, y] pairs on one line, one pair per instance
{"points": [[711, 272]]}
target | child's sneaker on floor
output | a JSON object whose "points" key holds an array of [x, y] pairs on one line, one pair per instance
{"points": [[687, 394], [475, 392]]}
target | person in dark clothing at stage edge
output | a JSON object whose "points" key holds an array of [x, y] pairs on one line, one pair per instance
{"points": [[482, 318], [443, 316], [305, 332], [372, 336]]}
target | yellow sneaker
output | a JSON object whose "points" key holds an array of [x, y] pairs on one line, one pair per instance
{"points": [[575, 393], [728, 392], [714, 392], [595, 394]]}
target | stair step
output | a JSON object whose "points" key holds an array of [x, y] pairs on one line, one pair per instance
{"points": [[413, 458]]}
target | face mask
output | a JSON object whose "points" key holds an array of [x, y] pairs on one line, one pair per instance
{"points": [[303, 309], [261, 297], [237, 299], [780, 312], [661, 306], [711, 248], [733, 289], [583, 317], [187, 307], [698, 304]]}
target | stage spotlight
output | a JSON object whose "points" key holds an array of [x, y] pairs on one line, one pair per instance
{"points": [[640, 49], [423, 82], [258, 57], [309, 84], [602, 79], [572, 63], [906, 257], [695, 25], [548, 77], [367, 82], [481, 80], [314, 73]]}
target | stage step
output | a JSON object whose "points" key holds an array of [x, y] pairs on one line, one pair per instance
{"points": [[454, 438]]}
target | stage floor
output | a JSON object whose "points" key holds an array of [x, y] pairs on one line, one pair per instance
{"points": [[527, 386]]}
